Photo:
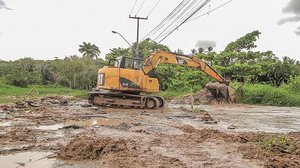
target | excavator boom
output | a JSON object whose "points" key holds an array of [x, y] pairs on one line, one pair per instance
{"points": [[160, 57]]}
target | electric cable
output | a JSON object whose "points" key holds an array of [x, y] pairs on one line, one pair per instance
{"points": [[205, 3], [181, 17], [214, 9], [166, 19], [140, 8], [133, 7], [153, 8]]}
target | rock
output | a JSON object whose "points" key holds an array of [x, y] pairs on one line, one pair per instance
{"points": [[232, 127], [72, 127], [64, 102]]}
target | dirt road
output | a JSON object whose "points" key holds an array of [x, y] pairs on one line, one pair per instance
{"points": [[73, 134]]}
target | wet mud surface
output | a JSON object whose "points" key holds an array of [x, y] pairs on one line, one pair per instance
{"points": [[74, 134]]}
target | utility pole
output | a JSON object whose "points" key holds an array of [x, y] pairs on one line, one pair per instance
{"points": [[138, 32]]}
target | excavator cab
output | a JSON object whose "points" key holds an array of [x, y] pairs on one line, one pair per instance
{"points": [[126, 63], [124, 74]]}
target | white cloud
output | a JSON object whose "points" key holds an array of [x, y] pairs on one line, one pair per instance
{"points": [[292, 7], [289, 19], [205, 44], [3, 5]]}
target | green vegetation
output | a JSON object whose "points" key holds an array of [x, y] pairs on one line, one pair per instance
{"points": [[273, 144], [199, 110], [12, 93], [269, 95], [267, 79]]}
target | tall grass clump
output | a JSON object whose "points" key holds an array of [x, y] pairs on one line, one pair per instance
{"points": [[268, 95]]}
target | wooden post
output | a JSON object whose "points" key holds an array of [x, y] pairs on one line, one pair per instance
{"points": [[29, 93], [192, 100]]}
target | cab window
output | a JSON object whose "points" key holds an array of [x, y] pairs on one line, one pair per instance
{"points": [[129, 63], [117, 62]]}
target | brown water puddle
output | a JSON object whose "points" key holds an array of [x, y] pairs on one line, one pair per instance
{"points": [[83, 123], [27, 159], [93, 122]]}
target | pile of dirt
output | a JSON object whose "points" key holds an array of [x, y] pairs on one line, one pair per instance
{"points": [[109, 152], [201, 135], [275, 150], [18, 134], [215, 92], [89, 148], [211, 94], [283, 162]]}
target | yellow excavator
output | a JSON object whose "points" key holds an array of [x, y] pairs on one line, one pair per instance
{"points": [[126, 81]]}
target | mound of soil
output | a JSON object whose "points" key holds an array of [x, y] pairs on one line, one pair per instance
{"points": [[87, 147], [19, 134], [283, 162], [115, 153], [280, 151], [212, 93], [201, 135], [215, 92], [275, 150]]}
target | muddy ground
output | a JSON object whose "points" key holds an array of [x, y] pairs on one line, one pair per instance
{"points": [[67, 133]]}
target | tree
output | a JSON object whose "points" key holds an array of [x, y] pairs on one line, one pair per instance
{"points": [[147, 46], [179, 51], [194, 51], [246, 42], [89, 50], [117, 52]]}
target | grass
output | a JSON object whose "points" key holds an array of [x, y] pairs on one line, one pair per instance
{"points": [[274, 144], [199, 110], [269, 95], [12, 93]]}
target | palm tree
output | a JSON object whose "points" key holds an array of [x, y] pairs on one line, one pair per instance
{"points": [[194, 51], [89, 50]]}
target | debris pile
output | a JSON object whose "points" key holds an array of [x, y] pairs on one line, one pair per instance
{"points": [[89, 148], [48, 101], [215, 92], [212, 93]]}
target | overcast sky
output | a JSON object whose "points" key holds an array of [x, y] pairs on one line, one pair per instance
{"points": [[44, 29]]}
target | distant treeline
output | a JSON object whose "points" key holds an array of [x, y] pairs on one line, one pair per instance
{"points": [[73, 72]]}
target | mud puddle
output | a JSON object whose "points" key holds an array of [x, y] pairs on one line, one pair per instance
{"points": [[82, 123], [27, 159]]}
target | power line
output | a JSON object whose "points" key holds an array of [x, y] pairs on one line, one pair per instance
{"points": [[133, 7], [140, 8], [204, 3], [153, 8], [166, 19], [173, 17], [181, 16], [210, 11]]}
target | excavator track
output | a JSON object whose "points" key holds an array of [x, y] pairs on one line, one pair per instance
{"points": [[122, 100]]}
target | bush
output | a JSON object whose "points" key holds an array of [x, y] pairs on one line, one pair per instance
{"points": [[268, 95], [294, 84]]}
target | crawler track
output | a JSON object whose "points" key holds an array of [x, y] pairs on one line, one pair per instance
{"points": [[123, 100]]}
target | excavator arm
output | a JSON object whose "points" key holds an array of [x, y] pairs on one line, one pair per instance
{"points": [[161, 57]]}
